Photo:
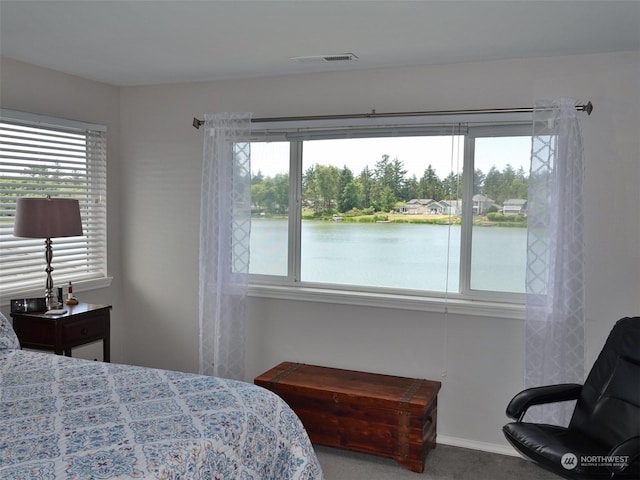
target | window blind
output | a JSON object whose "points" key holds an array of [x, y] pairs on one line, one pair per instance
{"points": [[43, 156]]}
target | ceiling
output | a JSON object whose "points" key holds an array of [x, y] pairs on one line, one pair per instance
{"points": [[136, 42]]}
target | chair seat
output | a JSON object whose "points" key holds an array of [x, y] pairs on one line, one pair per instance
{"points": [[547, 444]]}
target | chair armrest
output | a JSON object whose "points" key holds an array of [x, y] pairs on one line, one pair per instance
{"points": [[630, 448], [539, 395]]}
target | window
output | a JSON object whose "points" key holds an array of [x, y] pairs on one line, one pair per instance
{"points": [[499, 227], [42, 156], [391, 209]]}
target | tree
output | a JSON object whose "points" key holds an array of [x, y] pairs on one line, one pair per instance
{"points": [[271, 195], [327, 177], [506, 181], [351, 196], [520, 185], [396, 177], [310, 193], [385, 201], [492, 182], [382, 172], [410, 189], [258, 197], [327, 189], [281, 193], [346, 178], [451, 186], [430, 185], [257, 177], [478, 181], [366, 182], [501, 186], [382, 183]]}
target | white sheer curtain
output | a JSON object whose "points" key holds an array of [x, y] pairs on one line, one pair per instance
{"points": [[225, 226], [554, 326]]}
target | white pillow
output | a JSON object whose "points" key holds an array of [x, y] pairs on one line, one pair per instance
{"points": [[8, 338]]}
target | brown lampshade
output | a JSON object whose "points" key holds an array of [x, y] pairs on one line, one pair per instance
{"points": [[47, 218]]}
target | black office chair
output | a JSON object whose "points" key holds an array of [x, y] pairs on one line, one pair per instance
{"points": [[602, 440]]}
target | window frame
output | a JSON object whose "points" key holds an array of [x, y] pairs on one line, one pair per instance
{"points": [[475, 132], [466, 300], [93, 206]]}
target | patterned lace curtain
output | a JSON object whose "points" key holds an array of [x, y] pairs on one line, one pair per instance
{"points": [[225, 226], [554, 325]]}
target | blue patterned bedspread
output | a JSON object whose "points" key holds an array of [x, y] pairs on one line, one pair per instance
{"points": [[65, 418]]}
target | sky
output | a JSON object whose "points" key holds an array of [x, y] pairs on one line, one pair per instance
{"points": [[416, 153]]}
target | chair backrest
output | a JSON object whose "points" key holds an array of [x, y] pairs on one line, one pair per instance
{"points": [[608, 409]]}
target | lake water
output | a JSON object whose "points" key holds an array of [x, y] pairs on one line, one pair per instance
{"points": [[406, 256]]}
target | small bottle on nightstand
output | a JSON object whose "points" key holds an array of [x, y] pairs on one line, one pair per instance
{"points": [[71, 300]]}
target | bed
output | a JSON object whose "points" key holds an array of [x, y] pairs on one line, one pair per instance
{"points": [[67, 418]]}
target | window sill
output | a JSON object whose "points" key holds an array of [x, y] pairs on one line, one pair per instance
{"points": [[78, 286], [389, 300]]}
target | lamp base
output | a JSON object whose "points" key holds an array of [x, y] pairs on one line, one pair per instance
{"points": [[54, 304], [48, 292]]}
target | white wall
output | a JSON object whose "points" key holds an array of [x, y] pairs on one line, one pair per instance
{"points": [[482, 356], [158, 185], [42, 91]]}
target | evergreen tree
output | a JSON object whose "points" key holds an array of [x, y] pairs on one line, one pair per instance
{"points": [[310, 194], [452, 186], [396, 177], [492, 183], [410, 189], [366, 182], [351, 196], [478, 181], [430, 185], [346, 178], [257, 177]]}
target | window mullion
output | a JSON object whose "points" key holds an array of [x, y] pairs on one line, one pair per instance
{"points": [[467, 213], [295, 211]]}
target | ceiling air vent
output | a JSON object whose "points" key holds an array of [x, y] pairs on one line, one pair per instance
{"points": [[338, 57]]}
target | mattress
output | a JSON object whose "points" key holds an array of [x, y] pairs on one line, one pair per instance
{"points": [[66, 418]]}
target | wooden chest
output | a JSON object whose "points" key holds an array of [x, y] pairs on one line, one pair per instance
{"points": [[383, 415]]}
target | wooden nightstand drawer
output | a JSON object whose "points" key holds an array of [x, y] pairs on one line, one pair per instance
{"points": [[83, 331]]}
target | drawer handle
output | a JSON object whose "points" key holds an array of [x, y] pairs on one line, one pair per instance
{"points": [[84, 331], [335, 398]]}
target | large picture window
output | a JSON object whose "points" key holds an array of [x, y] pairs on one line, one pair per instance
{"points": [[429, 211], [42, 156]]}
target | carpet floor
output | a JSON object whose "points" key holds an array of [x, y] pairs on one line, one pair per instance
{"points": [[443, 463]]}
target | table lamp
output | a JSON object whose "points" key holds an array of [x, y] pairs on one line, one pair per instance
{"points": [[47, 218]]}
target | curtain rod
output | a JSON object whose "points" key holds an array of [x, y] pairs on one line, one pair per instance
{"points": [[588, 107]]}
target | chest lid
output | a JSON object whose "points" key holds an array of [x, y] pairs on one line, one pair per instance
{"points": [[367, 389]]}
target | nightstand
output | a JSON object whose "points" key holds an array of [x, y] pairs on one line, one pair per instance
{"points": [[81, 324]]}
